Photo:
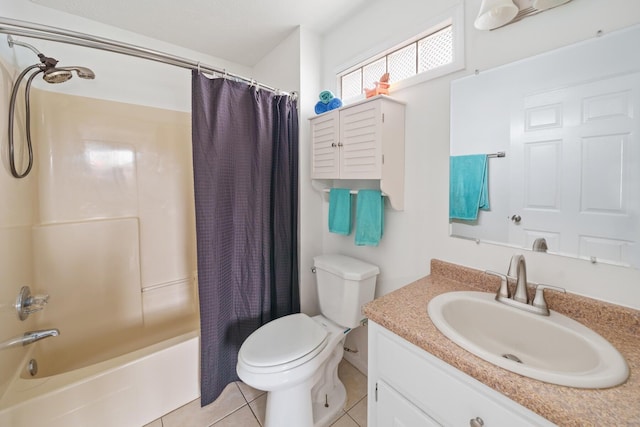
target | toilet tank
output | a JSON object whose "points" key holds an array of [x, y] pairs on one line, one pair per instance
{"points": [[344, 284]]}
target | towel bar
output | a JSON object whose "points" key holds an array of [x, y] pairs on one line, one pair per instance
{"points": [[327, 190]]}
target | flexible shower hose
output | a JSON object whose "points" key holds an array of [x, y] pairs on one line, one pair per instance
{"points": [[12, 107]]}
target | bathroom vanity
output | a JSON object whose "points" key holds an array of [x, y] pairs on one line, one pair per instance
{"points": [[413, 387], [417, 376]]}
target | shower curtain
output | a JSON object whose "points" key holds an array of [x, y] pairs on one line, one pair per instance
{"points": [[245, 163]]}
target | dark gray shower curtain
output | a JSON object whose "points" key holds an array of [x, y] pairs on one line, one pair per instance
{"points": [[245, 164]]}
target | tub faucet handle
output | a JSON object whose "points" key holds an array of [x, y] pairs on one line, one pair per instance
{"points": [[37, 302], [27, 303]]}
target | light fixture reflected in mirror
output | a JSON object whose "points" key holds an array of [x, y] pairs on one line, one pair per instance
{"points": [[548, 4], [495, 13]]}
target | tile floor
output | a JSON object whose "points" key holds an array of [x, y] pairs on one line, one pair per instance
{"points": [[242, 406]]}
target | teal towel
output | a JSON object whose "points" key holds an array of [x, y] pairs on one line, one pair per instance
{"points": [[340, 211], [468, 186], [369, 217]]}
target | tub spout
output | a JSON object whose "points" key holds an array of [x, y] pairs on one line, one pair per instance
{"points": [[29, 337], [33, 336]]}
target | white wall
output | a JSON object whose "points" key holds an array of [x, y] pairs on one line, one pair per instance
{"points": [[421, 232], [310, 200]]}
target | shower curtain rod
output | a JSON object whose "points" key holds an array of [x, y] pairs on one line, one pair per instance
{"points": [[16, 27]]}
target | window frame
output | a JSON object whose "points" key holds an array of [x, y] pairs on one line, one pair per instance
{"points": [[453, 17]]}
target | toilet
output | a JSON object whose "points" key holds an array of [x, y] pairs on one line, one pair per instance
{"points": [[295, 358]]}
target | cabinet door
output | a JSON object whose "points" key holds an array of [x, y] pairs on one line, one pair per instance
{"points": [[361, 141], [324, 145], [393, 410], [447, 395]]}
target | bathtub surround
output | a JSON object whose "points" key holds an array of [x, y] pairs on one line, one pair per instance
{"points": [[245, 161], [111, 240]]}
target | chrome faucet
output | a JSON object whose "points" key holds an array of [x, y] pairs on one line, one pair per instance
{"points": [[33, 336], [29, 337], [520, 298], [540, 245], [521, 278]]}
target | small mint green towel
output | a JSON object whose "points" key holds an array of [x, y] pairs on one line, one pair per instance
{"points": [[369, 217], [340, 211], [468, 186]]}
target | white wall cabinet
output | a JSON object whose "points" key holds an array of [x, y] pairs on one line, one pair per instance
{"points": [[410, 387], [362, 141]]}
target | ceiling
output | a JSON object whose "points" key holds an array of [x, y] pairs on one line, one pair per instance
{"points": [[242, 31]]}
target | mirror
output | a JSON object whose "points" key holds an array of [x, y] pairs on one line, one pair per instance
{"points": [[568, 122]]}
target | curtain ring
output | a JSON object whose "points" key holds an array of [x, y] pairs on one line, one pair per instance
{"points": [[199, 72]]}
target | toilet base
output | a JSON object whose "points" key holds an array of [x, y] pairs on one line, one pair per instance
{"points": [[324, 416], [303, 405], [304, 413]]}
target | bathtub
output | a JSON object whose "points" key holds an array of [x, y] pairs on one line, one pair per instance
{"points": [[128, 382]]}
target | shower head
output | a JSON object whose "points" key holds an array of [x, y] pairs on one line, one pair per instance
{"points": [[62, 74], [83, 72], [56, 75], [51, 73]]}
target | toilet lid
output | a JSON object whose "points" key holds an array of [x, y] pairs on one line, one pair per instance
{"points": [[283, 340]]}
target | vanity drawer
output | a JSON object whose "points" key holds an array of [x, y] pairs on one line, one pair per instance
{"points": [[447, 395]]}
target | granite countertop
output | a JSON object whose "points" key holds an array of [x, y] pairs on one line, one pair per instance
{"points": [[404, 312]]}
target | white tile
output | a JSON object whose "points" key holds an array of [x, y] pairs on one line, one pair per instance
{"points": [[354, 381], [156, 423], [192, 415], [242, 417], [359, 412], [345, 421], [259, 408], [249, 392]]}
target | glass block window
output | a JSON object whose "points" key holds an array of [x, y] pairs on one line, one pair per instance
{"points": [[352, 84], [372, 72], [435, 50], [420, 54], [402, 63]]}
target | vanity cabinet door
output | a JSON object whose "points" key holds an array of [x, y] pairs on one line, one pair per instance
{"points": [[448, 396], [393, 410]]}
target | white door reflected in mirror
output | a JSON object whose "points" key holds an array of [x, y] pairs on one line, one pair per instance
{"points": [[570, 125]]}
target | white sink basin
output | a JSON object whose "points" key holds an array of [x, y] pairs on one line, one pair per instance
{"points": [[554, 349]]}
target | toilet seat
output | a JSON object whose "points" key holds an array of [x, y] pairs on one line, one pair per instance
{"points": [[284, 343]]}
